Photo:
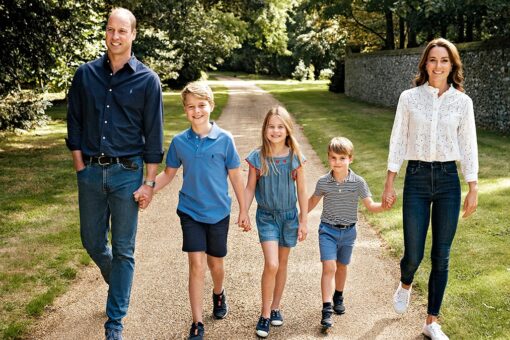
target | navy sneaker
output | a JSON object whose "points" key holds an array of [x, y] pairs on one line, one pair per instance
{"points": [[327, 318], [220, 307], [276, 317], [197, 331], [338, 304], [262, 328], [113, 334]]}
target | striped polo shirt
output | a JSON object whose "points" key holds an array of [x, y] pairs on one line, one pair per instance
{"points": [[340, 204]]}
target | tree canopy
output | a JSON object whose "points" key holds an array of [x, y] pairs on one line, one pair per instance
{"points": [[44, 41]]}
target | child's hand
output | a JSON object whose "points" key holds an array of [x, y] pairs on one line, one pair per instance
{"points": [[389, 197], [142, 199], [302, 232], [387, 205], [244, 221]]}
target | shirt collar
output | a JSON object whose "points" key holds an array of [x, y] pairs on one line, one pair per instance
{"points": [[434, 91], [350, 177], [132, 62], [213, 133]]}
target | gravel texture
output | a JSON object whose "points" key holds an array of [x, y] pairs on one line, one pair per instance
{"points": [[159, 307]]}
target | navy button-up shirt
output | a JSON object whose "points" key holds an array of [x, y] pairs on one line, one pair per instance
{"points": [[116, 115]]}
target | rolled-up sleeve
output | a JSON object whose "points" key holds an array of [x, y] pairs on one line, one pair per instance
{"points": [[153, 122], [74, 113]]}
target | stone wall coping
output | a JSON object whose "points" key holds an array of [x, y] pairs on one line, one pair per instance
{"points": [[470, 46]]}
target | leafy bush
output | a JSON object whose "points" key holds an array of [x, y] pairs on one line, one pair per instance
{"points": [[303, 72], [22, 110], [326, 74]]}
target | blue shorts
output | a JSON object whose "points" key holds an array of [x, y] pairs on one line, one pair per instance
{"points": [[335, 243], [278, 225], [198, 236]]}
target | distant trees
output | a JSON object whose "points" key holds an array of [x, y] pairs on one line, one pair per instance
{"points": [[43, 41]]}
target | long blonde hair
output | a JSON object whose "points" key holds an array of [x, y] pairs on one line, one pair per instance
{"points": [[290, 140], [456, 76]]}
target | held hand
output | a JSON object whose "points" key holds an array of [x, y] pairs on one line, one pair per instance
{"points": [[244, 222], [389, 197], [143, 196], [470, 203], [302, 232]]}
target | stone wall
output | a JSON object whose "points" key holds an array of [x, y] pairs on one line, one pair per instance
{"points": [[380, 77]]}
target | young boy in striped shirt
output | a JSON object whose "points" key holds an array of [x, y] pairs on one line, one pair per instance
{"points": [[341, 189]]}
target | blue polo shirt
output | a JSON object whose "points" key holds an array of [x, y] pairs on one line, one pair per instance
{"points": [[206, 161]]}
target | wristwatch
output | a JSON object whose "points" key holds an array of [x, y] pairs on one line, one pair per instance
{"points": [[152, 184]]}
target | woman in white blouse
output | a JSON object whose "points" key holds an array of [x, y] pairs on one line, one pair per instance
{"points": [[434, 127]]}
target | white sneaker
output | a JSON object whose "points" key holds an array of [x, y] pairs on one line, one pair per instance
{"points": [[434, 331], [401, 299]]}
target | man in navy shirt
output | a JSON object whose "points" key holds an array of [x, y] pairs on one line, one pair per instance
{"points": [[115, 125]]}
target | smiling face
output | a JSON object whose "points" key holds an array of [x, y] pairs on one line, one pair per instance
{"points": [[197, 110], [276, 132], [438, 66], [119, 34], [339, 163]]}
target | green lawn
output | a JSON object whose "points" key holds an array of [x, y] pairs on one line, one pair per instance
{"points": [[40, 250], [40, 247], [477, 302]]}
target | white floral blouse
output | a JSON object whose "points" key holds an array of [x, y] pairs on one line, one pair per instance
{"points": [[431, 128]]}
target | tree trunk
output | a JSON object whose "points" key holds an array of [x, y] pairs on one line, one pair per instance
{"points": [[444, 29], [390, 36], [460, 28], [469, 28], [411, 36], [402, 32]]}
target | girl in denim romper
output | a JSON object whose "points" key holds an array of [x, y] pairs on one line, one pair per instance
{"points": [[276, 171]]}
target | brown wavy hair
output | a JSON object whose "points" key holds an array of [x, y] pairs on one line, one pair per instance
{"points": [[290, 140], [456, 76]]}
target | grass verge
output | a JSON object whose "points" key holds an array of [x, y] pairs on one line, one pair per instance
{"points": [[477, 301], [40, 247]]}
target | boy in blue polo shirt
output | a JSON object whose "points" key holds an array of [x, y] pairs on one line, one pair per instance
{"points": [[341, 189], [208, 156]]}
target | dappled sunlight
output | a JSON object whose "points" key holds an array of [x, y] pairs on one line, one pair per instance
{"points": [[494, 186], [171, 94]]}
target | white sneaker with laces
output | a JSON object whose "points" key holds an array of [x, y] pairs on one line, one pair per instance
{"points": [[401, 299], [434, 331]]}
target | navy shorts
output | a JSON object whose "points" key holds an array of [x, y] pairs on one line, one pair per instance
{"points": [[198, 236]]}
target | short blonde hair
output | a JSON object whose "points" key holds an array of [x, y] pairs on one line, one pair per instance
{"points": [[199, 89], [341, 146], [132, 18]]}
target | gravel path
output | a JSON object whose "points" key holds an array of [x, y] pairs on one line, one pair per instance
{"points": [[159, 306]]}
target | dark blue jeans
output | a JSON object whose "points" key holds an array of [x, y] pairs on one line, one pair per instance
{"points": [[106, 202], [431, 194]]}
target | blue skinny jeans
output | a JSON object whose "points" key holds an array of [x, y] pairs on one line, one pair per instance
{"points": [[106, 203], [430, 187]]}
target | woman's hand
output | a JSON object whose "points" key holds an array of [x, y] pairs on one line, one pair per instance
{"points": [[471, 200], [389, 196]]}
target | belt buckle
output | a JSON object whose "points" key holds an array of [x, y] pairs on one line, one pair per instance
{"points": [[99, 161]]}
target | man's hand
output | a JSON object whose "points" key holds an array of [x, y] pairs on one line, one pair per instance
{"points": [[143, 196]]}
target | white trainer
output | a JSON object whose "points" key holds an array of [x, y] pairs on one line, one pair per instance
{"points": [[434, 332], [401, 299]]}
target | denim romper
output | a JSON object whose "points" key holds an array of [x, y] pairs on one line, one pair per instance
{"points": [[277, 214]]}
